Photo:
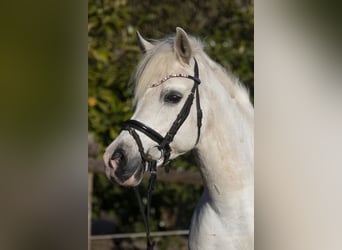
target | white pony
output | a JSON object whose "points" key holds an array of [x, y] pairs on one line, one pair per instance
{"points": [[224, 217]]}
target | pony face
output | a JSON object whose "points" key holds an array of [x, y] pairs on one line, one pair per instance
{"points": [[159, 101]]}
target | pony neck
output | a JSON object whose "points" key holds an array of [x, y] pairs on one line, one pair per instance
{"points": [[225, 149]]}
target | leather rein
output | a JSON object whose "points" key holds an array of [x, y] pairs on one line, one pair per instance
{"points": [[163, 142]]}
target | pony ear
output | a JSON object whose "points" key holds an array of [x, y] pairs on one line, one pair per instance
{"points": [[143, 44], [182, 46]]}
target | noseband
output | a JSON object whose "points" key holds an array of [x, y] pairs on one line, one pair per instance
{"points": [[163, 142]]}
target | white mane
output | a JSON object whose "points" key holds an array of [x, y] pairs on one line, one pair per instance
{"points": [[232, 84]]}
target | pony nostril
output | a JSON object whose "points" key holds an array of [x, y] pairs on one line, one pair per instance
{"points": [[119, 157]]}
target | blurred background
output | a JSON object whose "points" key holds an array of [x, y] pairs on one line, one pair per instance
{"points": [[227, 30], [44, 145]]}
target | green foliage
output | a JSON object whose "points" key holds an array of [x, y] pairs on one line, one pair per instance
{"points": [[227, 29]]}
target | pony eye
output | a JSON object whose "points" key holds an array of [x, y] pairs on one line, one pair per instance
{"points": [[173, 97]]}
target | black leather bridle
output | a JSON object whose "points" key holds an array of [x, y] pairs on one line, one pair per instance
{"points": [[163, 142]]}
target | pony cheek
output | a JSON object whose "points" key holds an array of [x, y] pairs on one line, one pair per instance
{"points": [[185, 141], [180, 147]]}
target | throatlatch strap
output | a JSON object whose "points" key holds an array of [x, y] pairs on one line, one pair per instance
{"points": [[199, 115], [198, 103]]}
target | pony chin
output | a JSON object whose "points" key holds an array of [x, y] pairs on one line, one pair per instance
{"points": [[135, 179], [132, 181]]}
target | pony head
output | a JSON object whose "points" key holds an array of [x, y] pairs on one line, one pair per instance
{"points": [[164, 80]]}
